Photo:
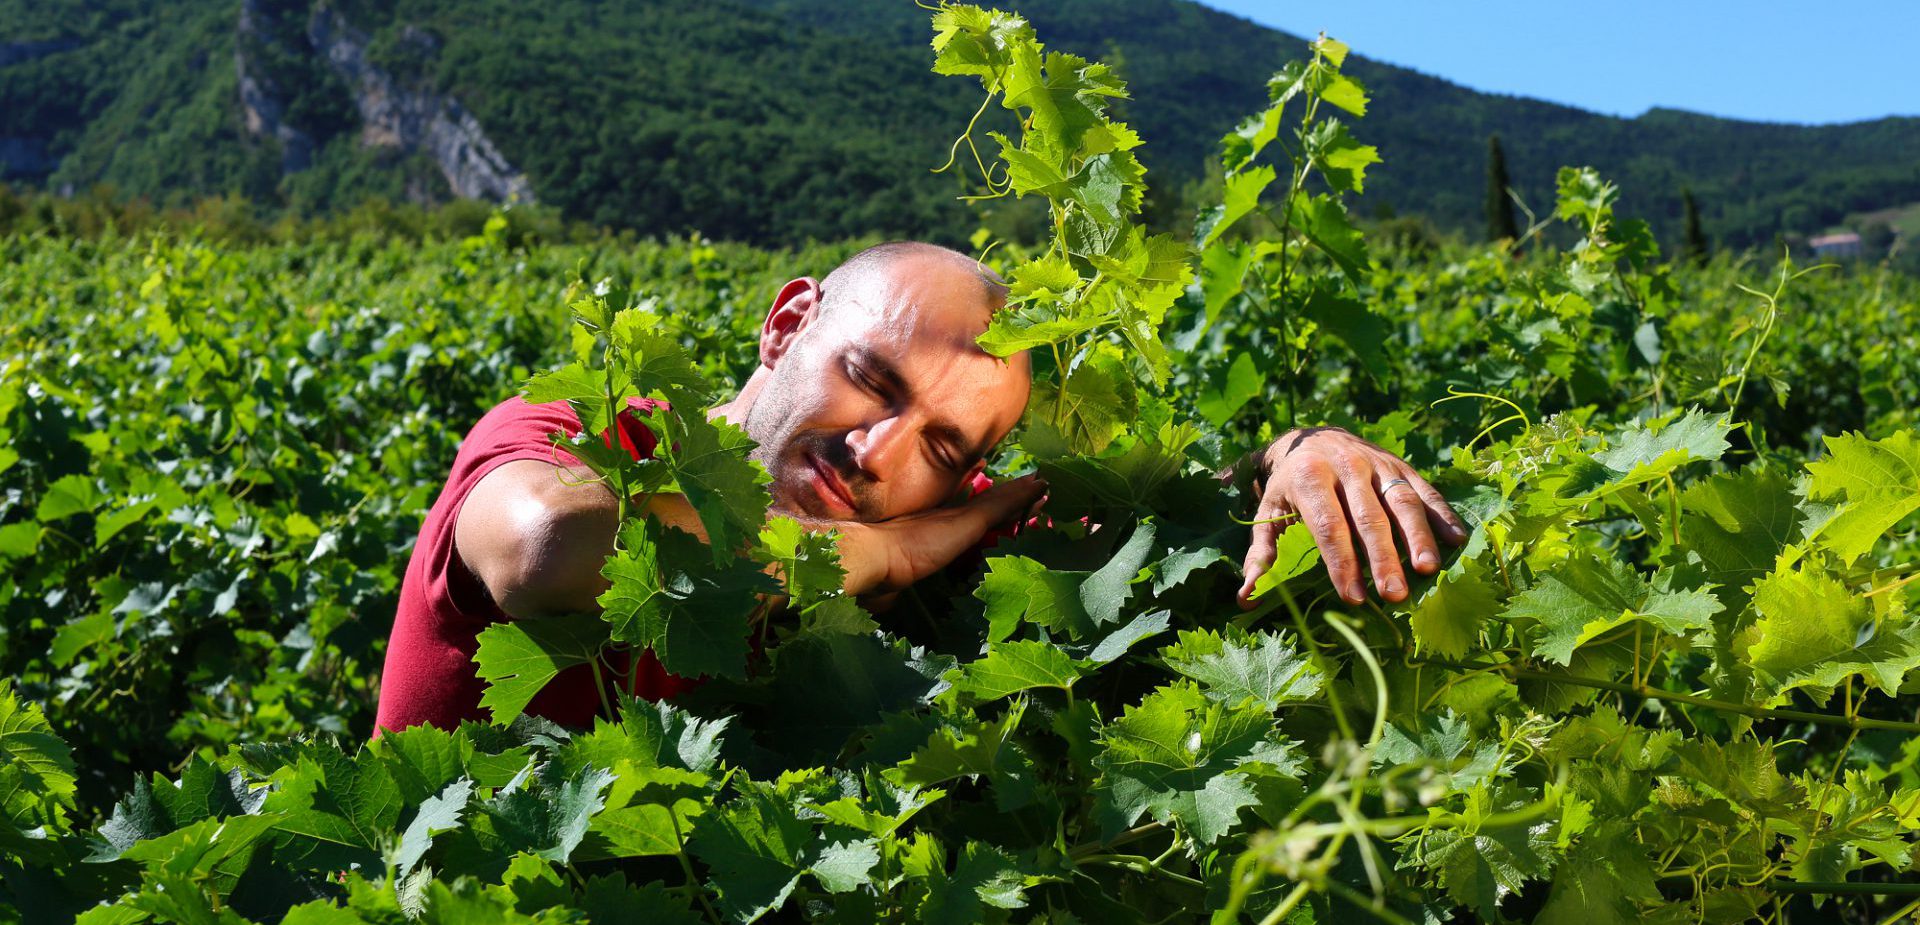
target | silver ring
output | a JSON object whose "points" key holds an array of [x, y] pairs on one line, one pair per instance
{"points": [[1392, 482]]}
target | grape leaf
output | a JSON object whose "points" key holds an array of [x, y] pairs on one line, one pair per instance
{"points": [[1447, 619], [1738, 524], [844, 866], [1878, 483], [755, 849], [549, 819], [1011, 667], [1105, 591], [1585, 597], [1173, 754], [1480, 865], [1264, 671], [728, 490], [1811, 632], [517, 659], [436, 814], [1017, 589], [1295, 553]]}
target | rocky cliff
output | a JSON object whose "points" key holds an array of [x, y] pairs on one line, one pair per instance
{"points": [[416, 118], [405, 116]]}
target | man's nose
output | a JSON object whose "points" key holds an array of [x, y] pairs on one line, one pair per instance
{"points": [[877, 448]]}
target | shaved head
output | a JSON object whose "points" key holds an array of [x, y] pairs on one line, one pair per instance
{"points": [[864, 269], [873, 398]]}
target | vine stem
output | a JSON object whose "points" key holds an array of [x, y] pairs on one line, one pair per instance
{"points": [[1286, 905], [686, 867], [1654, 693]]}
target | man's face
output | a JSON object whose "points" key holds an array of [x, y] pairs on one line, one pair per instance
{"points": [[884, 405]]}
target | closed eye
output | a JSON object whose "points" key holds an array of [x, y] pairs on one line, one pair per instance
{"points": [[861, 378]]}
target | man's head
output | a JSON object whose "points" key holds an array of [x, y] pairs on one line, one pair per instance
{"points": [[872, 399]]}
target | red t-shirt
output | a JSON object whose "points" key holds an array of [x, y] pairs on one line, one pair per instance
{"points": [[430, 676]]}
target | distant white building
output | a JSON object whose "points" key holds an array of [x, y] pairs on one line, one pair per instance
{"points": [[1844, 244]]}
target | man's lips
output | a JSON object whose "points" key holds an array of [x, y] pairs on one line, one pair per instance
{"points": [[832, 489]]}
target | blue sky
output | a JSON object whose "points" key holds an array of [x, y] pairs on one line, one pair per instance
{"points": [[1835, 61]]}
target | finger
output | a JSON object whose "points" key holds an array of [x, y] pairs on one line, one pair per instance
{"points": [[1410, 516], [1375, 531], [1439, 513], [1314, 496], [1260, 548]]}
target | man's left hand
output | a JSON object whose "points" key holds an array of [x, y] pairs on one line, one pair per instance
{"points": [[1348, 490]]}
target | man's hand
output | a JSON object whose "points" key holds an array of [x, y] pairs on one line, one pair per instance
{"points": [[1347, 489], [891, 554]]}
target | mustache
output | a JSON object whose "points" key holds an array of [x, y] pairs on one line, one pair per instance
{"points": [[837, 457]]}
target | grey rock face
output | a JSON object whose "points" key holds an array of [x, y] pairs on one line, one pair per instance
{"points": [[260, 103], [416, 119]]}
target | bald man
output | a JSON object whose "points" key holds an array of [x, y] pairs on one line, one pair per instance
{"points": [[873, 409]]}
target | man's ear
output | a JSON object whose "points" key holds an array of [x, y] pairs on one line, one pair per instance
{"points": [[792, 310]]}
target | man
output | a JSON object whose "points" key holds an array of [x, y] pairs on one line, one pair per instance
{"points": [[874, 409]]}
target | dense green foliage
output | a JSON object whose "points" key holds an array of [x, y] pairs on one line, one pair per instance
{"points": [[1665, 679], [773, 121]]}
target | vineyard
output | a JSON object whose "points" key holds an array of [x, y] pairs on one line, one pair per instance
{"points": [[1668, 677]]}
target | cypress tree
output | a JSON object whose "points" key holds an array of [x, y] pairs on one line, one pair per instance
{"points": [[1696, 243], [1500, 219]]}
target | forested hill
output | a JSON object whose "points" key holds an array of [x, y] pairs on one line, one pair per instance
{"points": [[770, 120]]}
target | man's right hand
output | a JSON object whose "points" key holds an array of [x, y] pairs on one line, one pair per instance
{"points": [[889, 555]]}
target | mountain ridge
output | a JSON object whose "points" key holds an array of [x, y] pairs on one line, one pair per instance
{"points": [[781, 120]]}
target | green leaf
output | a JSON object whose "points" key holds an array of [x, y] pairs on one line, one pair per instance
{"points": [[39, 766], [845, 866], [809, 562], [1813, 632], [1173, 755], [1641, 453], [755, 848], [1342, 161], [67, 496], [1447, 619], [1585, 597], [1250, 138], [1223, 272], [1295, 555], [438, 813], [1011, 667], [1478, 865], [1241, 197], [1243, 383], [984, 876], [517, 659], [550, 819], [1323, 220], [1446, 743], [1264, 671], [1346, 93], [726, 489], [330, 798], [1116, 643], [973, 749], [1349, 320], [1017, 589], [1107, 589], [666, 597], [1738, 524], [655, 362], [1877, 483]]}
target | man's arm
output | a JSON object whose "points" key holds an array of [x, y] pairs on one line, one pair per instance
{"points": [[537, 534], [1346, 490]]}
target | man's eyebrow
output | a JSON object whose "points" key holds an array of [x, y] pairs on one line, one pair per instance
{"points": [[882, 368]]}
